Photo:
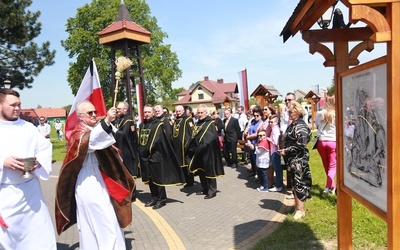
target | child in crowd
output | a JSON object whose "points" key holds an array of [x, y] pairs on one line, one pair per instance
{"points": [[262, 159]]}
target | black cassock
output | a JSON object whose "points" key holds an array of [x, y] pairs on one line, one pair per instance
{"points": [[127, 143], [157, 156], [203, 149], [181, 135]]}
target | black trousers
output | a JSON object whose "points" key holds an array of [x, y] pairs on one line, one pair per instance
{"points": [[230, 148], [157, 192], [209, 184], [189, 177]]}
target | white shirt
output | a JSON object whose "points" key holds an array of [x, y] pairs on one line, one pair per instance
{"points": [[242, 121], [44, 129], [326, 131]]}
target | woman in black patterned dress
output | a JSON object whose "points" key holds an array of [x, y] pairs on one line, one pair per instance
{"points": [[296, 154]]}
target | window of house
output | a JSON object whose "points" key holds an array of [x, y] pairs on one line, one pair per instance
{"points": [[201, 96]]}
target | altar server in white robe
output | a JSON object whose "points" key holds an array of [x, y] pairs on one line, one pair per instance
{"points": [[25, 222]]}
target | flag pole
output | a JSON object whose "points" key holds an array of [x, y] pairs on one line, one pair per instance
{"points": [[246, 91]]}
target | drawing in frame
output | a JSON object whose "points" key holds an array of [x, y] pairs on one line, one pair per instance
{"points": [[364, 109]]}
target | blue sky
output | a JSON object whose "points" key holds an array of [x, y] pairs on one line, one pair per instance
{"points": [[211, 38]]}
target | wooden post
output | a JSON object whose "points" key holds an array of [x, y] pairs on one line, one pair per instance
{"points": [[344, 205], [393, 79]]}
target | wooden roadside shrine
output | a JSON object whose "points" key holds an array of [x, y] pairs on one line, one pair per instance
{"points": [[369, 92], [265, 94], [313, 98]]}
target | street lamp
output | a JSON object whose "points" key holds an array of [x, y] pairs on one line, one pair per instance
{"points": [[7, 84], [326, 18]]}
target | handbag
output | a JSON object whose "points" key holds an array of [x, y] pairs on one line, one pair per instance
{"points": [[315, 143]]}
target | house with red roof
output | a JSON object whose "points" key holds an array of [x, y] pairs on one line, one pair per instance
{"points": [[215, 94], [51, 114]]}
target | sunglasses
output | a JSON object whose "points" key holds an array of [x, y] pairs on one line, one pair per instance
{"points": [[261, 135], [256, 115], [90, 113], [288, 100], [266, 109]]}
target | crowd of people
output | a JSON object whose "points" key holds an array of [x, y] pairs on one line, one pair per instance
{"points": [[105, 156]]}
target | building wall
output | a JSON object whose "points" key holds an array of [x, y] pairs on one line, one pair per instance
{"points": [[206, 94]]}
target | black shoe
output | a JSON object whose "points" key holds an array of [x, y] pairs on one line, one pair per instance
{"points": [[188, 185], [159, 204], [209, 196], [150, 203], [234, 165], [200, 193]]}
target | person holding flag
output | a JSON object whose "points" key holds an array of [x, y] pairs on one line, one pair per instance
{"points": [[94, 188], [89, 90]]}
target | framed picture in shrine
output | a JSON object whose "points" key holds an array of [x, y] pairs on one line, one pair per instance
{"points": [[364, 126]]}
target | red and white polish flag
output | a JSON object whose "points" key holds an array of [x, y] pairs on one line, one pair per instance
{"points": [[243, 89], [90, 90]]}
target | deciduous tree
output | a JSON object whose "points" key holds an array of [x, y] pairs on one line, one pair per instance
{"points": [[160, 64]]}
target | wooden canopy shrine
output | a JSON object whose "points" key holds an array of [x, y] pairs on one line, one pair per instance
{"points": [[313, 98], [265, 94], [382, 19]]}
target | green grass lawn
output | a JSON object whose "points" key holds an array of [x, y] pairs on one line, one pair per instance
{"points": [[320, 223], [59, 147]]}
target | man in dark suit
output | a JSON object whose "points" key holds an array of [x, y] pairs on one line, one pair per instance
{"points": [[231, 135]]}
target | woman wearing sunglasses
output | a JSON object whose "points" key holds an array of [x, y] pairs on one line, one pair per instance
{"points": [[296, 154]]}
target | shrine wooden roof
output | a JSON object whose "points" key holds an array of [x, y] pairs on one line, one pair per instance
{"points": [[267, 90], [313, 95], [307, 13]]}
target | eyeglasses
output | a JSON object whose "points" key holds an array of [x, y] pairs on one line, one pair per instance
{"points": [[90, 113], [266, 109], [288, 100], [262, 135], [256, 115]]}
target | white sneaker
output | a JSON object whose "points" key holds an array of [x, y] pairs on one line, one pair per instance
{"points": [[275, 189], [328, 191], [262, 189], [299, 214]]}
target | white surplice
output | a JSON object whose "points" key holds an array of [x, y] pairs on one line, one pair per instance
{"points": [[22, 204], [97, 222]]}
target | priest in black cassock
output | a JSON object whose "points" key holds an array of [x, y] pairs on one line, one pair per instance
{"points": [[159, 165], [204, 153], [127, 139], [182, 133]]}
